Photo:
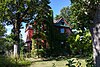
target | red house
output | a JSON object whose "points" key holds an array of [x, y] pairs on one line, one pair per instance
{"points": [[63, 26], [29, 34], [64, 30]]}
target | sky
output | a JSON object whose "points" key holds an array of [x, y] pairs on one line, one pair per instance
{"points": [[56, 6]]}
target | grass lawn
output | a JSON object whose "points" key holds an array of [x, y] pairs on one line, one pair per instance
{"points": [[54, 63]]}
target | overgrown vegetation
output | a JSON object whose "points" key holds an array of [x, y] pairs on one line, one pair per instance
{"points": [[13, 62], [81, 16], [80, 43], [73, 63]]}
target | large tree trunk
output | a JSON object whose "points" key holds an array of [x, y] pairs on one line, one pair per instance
{"points": [[17, 38], [95, 31]]}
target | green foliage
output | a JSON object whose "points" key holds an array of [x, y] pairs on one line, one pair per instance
{"points": [[11, 62], [40, 52], [9, 42], [44, 19], [80, 43], [21, 53], [70, 63], [84, 16], [2, 36], [73, 63], [2, 41], [57, 17], [15, 12], [64, 13], [83, 13], [2, 29]]}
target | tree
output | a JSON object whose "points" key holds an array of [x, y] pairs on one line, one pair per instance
{"points": [[86, 14], [44, 25], [80, 43], [2, 30], [15, 12], [64, 13], [57, 17], [2, 35], [8, 44]]}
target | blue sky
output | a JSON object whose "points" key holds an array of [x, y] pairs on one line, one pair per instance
{"points": [[56, 6]]}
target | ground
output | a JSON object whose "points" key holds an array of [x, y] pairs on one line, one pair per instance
{"points": [[52, 63]]}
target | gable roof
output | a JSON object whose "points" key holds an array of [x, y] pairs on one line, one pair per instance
{"points": [[61, 23]]}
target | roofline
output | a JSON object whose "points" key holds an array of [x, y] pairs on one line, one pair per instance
{"points": [[65, 22]]}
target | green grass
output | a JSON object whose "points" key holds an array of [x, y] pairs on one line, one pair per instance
{"points": [[54, 63]]}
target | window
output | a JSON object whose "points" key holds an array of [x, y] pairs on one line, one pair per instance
{"points": [[62, 30]]}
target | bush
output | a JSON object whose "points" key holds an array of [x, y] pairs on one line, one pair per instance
{"points": [[80, 43], [40, 52], [12, 62]]}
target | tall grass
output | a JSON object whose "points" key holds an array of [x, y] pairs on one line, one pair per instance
{"points": [[13, 62]]}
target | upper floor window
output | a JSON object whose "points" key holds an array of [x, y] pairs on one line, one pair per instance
{"points": [[62, 30]]}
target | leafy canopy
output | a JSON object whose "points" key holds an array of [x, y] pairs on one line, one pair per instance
{"points": [[83, 12]]}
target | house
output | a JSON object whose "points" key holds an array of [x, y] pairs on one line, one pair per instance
{"points": [[63, 26], [64, 30], [43, 37], [29, 34]]}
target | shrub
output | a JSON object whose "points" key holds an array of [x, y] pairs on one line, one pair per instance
{"points": [[73, 63], [12, 62]]}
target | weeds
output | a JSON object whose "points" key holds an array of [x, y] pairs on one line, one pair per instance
{"points": [[73, 63]]}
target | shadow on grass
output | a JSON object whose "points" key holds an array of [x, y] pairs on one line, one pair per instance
{"points": [[11, 62], [59, 58]]}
